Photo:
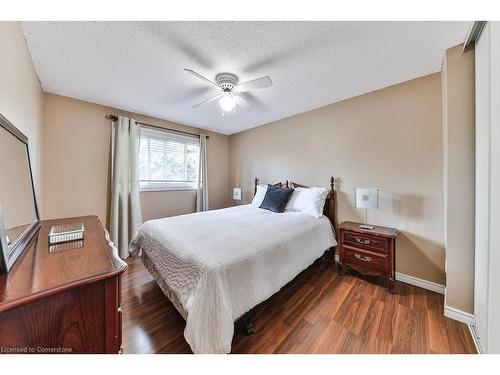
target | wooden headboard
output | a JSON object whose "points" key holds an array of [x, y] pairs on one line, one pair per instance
{"points": [[330, 209]]}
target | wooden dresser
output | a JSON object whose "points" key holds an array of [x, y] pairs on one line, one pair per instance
{"points": [[66, 300], [370, 252]]}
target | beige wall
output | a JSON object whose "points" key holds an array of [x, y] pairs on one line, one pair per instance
{"points": [[459, 176], [77, 140], [21, 97], [391, 139]]}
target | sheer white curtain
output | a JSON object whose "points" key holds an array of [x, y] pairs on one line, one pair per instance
{"points": [[202, 194], [125, 203]]}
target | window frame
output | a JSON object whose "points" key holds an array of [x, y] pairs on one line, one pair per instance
{"points": [[164, 185]]}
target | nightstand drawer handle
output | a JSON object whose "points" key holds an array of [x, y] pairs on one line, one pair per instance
{"points": [[363, 241], [363, 258]]}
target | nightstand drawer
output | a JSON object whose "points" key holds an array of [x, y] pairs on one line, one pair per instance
{"points": [[366, 242], [366, 261]]}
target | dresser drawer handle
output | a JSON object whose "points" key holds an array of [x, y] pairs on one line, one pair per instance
{"points": [[362, 258], [362, 240]]}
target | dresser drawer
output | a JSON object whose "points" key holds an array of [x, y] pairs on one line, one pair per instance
{"points": [[365, 261], [365, 241]]}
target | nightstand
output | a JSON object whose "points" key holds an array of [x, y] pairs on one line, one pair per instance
{"points": [[370, 252]]}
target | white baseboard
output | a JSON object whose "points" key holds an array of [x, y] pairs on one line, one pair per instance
{"points": [[425, 284], [421, 283], [477, 344], [459, 315]]}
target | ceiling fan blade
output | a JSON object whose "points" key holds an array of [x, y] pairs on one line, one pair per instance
{"points": [[252, 101], [255, 84], [208, 100], [199, 76], [240, 99]]}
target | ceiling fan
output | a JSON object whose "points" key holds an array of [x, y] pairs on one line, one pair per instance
{"points": [[230, 89]]}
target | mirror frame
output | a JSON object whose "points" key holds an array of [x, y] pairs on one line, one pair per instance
{"points": [[7, 258]]}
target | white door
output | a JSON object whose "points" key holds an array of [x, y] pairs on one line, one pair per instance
{"points": [[482, 246], [493, 345], [487, 246]]}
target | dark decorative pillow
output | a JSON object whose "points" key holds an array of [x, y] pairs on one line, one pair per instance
{"points": [[276, 198]]}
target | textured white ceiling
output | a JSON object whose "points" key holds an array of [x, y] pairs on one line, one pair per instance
{"points": [[138, 66]]}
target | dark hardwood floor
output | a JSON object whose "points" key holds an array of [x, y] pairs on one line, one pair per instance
{"points": [[318, 312]]}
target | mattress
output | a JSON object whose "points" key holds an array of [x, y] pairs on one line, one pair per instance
{"points": [[217, 265]]}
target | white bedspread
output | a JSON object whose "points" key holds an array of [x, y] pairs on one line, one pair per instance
{"points": [[221, 263]]}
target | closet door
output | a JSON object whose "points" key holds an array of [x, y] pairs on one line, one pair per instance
{"points": [[487, 245], [482, 245], [493, 345]]}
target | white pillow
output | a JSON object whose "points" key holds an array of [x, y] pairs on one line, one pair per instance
{"points": [[307, 200], [259, 195]]}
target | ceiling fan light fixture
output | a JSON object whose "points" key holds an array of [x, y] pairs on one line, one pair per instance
{"points": [[230, 89], [227, 103]]}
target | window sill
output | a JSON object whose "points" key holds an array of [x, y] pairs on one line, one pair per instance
{"points": [[169, 186], [164, 189], [153, 189]]}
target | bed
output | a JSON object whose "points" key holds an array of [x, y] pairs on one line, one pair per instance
{"points": [[216, 266]]}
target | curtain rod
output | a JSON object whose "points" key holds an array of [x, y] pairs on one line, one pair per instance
{"points": [[115, 118]]}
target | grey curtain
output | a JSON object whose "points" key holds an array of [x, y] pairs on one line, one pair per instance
{"points": [[202, 193], [125, 203]]}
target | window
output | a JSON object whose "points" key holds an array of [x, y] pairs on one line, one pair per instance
{"points": [[168, 161]]}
